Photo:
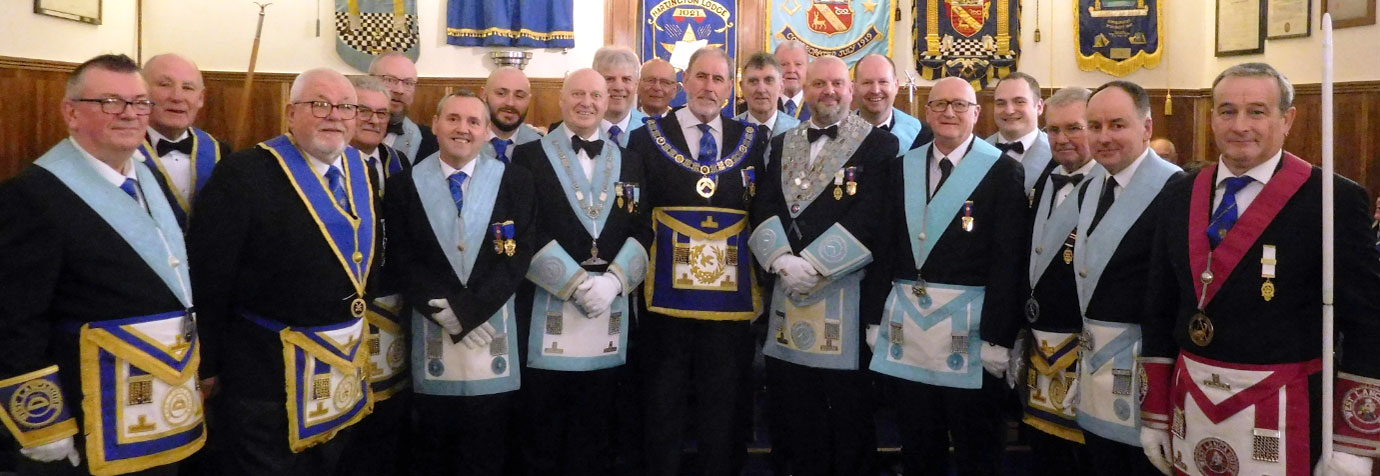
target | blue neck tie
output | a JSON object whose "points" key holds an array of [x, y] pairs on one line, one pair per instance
{"points": [[790, 107], [456, 192], [501, 148], [130, 187], [337, 183], [1225, 216], [709, 150], [614, 132]]}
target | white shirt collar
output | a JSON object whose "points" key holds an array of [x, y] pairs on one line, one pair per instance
{"points": [[813, 126], [1261, 173], [955, 155], [115, 177], [1025, 140], [154, 136], [1123, 178], [688, 120], [622, 123], [890, 116], [320, 167], [799, 99], [468, 169], [770, 122], [1085, 169]]}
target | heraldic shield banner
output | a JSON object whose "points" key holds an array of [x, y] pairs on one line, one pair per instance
{"points": [[1118, 37], [367, 28], [977, 40], [669, 26], [843, 28]]}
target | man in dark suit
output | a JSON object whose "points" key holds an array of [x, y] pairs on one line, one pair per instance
{"points": [[1116, 219], [98, 344], [816, 230], [181, 156], [1018, 108], [701, 172], [400, 76], [371, 128], [949, 274], [793, 58], [460, 237], [1051, 311], [283, 245], [595, 232], [1234, 297], [877, 84]]}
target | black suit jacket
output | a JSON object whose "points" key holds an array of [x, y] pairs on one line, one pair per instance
{"points": [[60, 261], [172, 196], [1056, 291], [419, 267], [1288, 328], [992, 255], [1120, 292], [428, 146], [253, 245], [669, 184]]}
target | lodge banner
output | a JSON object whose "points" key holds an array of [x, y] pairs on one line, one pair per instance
{"points": [[367, 28], [668, 25], [1118, 37], [977, 40], [843, 28], [525, 23]]}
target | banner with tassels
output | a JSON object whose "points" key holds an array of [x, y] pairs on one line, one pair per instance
{"points": [[1118, 37], [524, 23], [367, 28], [977, 40]]}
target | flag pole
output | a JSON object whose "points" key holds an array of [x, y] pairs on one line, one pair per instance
{"points": [[242, 122], [1328, 258]]}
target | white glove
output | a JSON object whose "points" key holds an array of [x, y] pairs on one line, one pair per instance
{"points": [[1344, 464], [596, 294], [798, 275], [1071, 397], [445, 317], [480, 337], [870, 336], [995, 359], [55, 451], [1155, 444]]}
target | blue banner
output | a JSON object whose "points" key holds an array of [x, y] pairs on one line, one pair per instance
{"points": [[668, 24], [1118, 37], [842, 28], [525, 23], [977, 40]]}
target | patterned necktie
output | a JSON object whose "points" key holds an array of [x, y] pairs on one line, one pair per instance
{"points": [[456, 192], [336, 182], [614, 132], [790, 107], [1226, 214], [709, 150], [1104, 203], [945, 168], [501, 148], [130, 187]]}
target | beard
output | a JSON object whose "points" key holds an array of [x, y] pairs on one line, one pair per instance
{"points": [[506, 126]]}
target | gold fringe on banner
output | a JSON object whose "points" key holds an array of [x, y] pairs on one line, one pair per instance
{"points": [[1119, 68]]}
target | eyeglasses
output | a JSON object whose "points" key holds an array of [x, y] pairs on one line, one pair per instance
{"points": [[394, 80], [368, 114], [665, 83], [117, 106], [322, 109], [1068, 131], [940, 105]]}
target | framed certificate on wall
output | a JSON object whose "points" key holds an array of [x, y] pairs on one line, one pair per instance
{"points": [[1349, 13], [1288, 19], [85, 11], [1240, 27]]}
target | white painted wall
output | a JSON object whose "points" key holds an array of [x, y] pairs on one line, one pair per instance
{"points": [[30, 35]]}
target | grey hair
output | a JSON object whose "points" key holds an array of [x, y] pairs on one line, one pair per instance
{"points": [[1069, 95], [791, 45], [1137, 93], [113, 63], [616, 57], [711, 52], [373, 65], [1286, 89], [762, 60], [365, 82], [299, 84]]}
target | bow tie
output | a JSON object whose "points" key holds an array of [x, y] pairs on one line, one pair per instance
{"points": [[814, 134], [184, 146], [1016, 147], [395, 129], [592, 148], [1061, 180]]}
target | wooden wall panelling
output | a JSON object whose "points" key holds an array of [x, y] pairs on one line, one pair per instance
{"points": [[32, 115]]}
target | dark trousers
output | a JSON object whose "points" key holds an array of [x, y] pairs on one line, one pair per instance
{"points": [[625, 438], [461, 435], [930, 417], [256, 441], [704, 359], [566, 420], [1109, 457], [1055, 456], [827, 419], [373, 449]]}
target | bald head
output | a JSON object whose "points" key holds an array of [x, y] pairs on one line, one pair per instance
{"points": [[875, 83], [508, 94], [177, 91], [584, 99], [951, 111], [828, 91], [400, 75], [657, 86]]}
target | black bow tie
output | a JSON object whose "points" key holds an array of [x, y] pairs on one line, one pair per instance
{"points": [[184, 146], [395, 129], [1016, 147], [814, 134], [1061, 180], [592, 148]]}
